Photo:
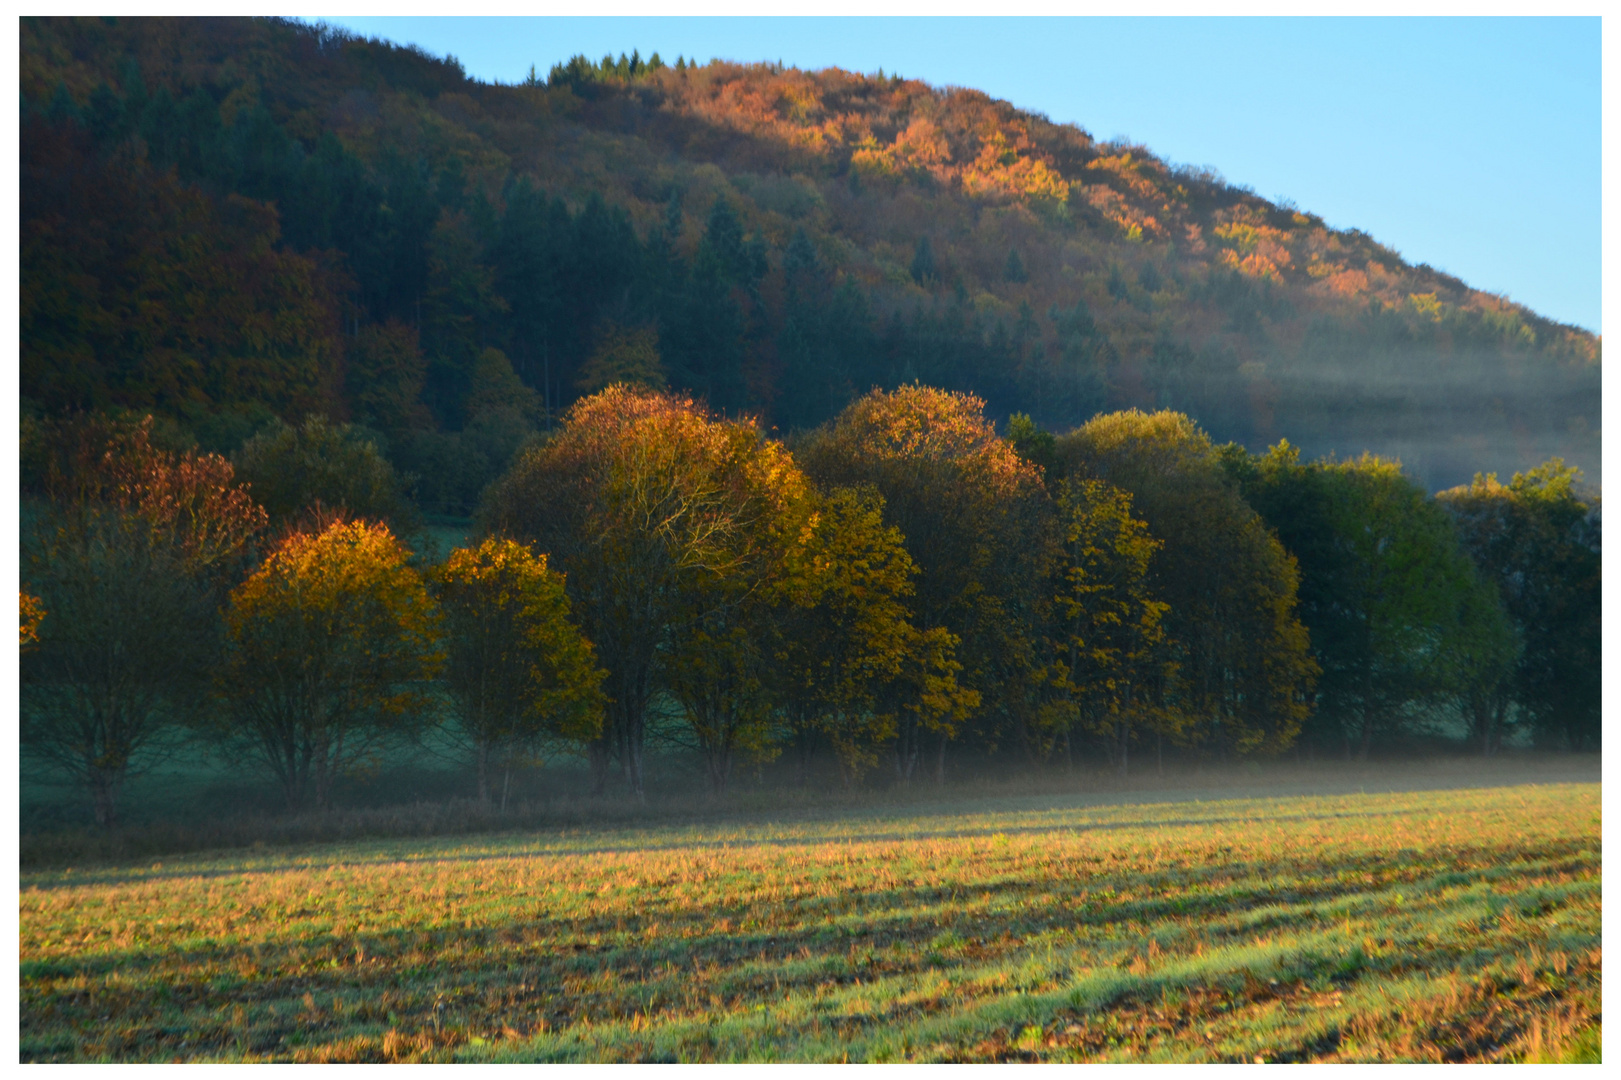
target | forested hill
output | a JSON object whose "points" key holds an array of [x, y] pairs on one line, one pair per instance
{"points": [[225, 218]]}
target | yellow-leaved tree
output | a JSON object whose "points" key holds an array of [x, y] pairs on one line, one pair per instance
{"points": [[851, 664], [1114, 659], [518, 669], [668, 522], [330, 646], [1246, 671], [976, 522]]}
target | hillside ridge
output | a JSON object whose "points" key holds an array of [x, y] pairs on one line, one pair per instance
{"points": [[857, 230]]}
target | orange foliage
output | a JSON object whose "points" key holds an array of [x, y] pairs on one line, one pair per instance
{"points": [[190, 499], [1251, 246], [1349, 282], [921, 422]]}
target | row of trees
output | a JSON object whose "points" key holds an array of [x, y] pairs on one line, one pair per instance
{"points": [[162, 603], [900, 581]]}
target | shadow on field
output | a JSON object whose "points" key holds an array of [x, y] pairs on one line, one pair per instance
{"points": [[1383, 935]]}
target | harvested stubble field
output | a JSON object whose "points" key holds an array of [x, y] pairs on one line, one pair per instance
{"points": [[1452, 925]]}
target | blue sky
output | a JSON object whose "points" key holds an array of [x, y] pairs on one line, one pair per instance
{"points": [[1470, 144]]}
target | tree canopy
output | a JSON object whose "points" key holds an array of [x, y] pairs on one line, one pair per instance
{"points": [[1246, 671], [971, 513], [1536, 539], [516, 666], [662, 518], [126, 560], [330, 644], [1399, 617]]}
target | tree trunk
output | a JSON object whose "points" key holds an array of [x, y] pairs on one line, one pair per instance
{"points": [[1021, 730], [104, 785], [940, 760], [633, 766], [906, 751], [597, 750], [803, 745], [483, 757], [322, 772], [1367, 712], [720, 771]]}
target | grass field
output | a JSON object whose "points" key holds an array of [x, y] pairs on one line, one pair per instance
{"points": [[1452, 925]]}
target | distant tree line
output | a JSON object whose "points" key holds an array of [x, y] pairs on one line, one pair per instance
{"points": [[896, 586]]}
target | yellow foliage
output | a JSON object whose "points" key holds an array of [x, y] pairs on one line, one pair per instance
{"points": [[32, 614], [1425, 304], [1133, 222], [870, 160], [1128, 169], [1254, 265], [330, 642], [1319, 268], [1000, 169], [1254, 248], [517, 665]]}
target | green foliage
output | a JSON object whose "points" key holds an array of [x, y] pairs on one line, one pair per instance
{"points": [[385, 370], [124, 655], [1537, 541], [1034, 443], [1014, 271], [329, 644], [1399, 617], [321, 467], [517, 668], [493, 384], [923, 269], [579, 73], [629, 356]]}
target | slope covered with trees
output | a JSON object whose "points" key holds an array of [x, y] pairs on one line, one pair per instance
{"points": [[225, 220]]}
